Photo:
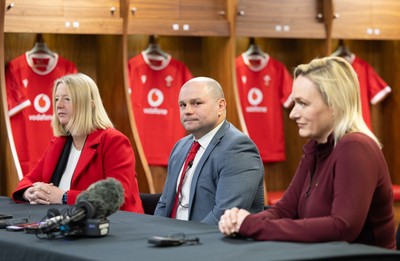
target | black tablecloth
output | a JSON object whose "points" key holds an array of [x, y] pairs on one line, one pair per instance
{"points": [[127, 240]]}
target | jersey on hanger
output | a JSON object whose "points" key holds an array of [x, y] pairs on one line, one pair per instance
{"points": [[373, 88], [154, 89], [264, 87], [29, 84]]}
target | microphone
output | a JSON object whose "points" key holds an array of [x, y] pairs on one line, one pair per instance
{"points": [[106, 196], [53, 212], [100, 200]]}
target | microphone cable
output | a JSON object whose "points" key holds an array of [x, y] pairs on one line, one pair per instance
{"points": [[180, 196]]}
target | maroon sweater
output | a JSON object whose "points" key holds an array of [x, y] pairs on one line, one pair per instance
{"points": [[340, 193]]}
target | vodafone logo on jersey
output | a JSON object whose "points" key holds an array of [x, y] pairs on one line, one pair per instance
{"points": [[155, 98], [42, 104], [255, 97]]}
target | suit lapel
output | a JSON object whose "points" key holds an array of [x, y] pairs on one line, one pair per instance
{"points": [[88, 153], [53, 157], [180, 160], [213, 143]]}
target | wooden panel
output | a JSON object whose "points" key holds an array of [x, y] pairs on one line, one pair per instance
{"points": [[276, 11], [38, 8], [295, 30], [271, 18], [159, 174], [386, 18], [383, 32], [67, 8], [90, 8], [8, 171], [179, 27], [367, 19], [154, 9], [385, 12], [62, 25], [185, 17], [202, 9], [3, 128], [383, 56], [396, 206], [354, 17], [217, 63], [175, 9], [72, 17], [110, 78]]}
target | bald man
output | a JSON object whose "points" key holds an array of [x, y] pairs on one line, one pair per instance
{"points": [[226, 171]]}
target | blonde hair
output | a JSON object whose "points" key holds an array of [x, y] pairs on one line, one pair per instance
{"points": [[88, 110], [338, 84]]}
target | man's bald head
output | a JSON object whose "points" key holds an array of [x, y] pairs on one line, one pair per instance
{"points": [[212, 85]]}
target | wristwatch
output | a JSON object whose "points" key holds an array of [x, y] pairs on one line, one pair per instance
{"points": [[64, 198]]}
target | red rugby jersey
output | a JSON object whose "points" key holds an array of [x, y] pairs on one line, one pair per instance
{"points": [[154, 88], [264, 87], [373, 88], [29, 82]]}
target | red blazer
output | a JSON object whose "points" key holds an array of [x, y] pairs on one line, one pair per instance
{"points": [[106, 153]]}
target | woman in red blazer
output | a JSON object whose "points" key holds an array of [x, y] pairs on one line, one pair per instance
{"points": [[86, 148]]}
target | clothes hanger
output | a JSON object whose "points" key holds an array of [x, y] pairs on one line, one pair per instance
{"points": [[254, 56], [154, 50], [254, 49], [343, 51], [40, 47]]}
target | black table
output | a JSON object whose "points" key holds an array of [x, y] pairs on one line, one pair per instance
{"points": [[127, 240]]}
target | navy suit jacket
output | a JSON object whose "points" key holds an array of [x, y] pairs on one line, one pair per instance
{"points": [[229, 174]]}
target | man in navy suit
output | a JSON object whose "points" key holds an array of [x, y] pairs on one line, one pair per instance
{"points": [[226, 172]]}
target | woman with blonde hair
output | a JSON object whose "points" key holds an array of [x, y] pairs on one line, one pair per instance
{"points": [[342, 189], [86, 148]]}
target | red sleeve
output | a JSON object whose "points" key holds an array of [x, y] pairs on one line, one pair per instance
{"points": [[17, 99], [378, 89], [287, 82], [38, 173]]}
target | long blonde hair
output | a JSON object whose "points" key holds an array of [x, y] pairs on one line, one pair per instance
{"points": [[88, 110], [338, 84]]}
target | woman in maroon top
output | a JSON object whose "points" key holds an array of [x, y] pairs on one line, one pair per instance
{"points": [[342, 189]]}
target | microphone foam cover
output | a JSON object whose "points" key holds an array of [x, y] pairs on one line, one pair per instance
{"points": [[53, 212], [106, 196]]}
